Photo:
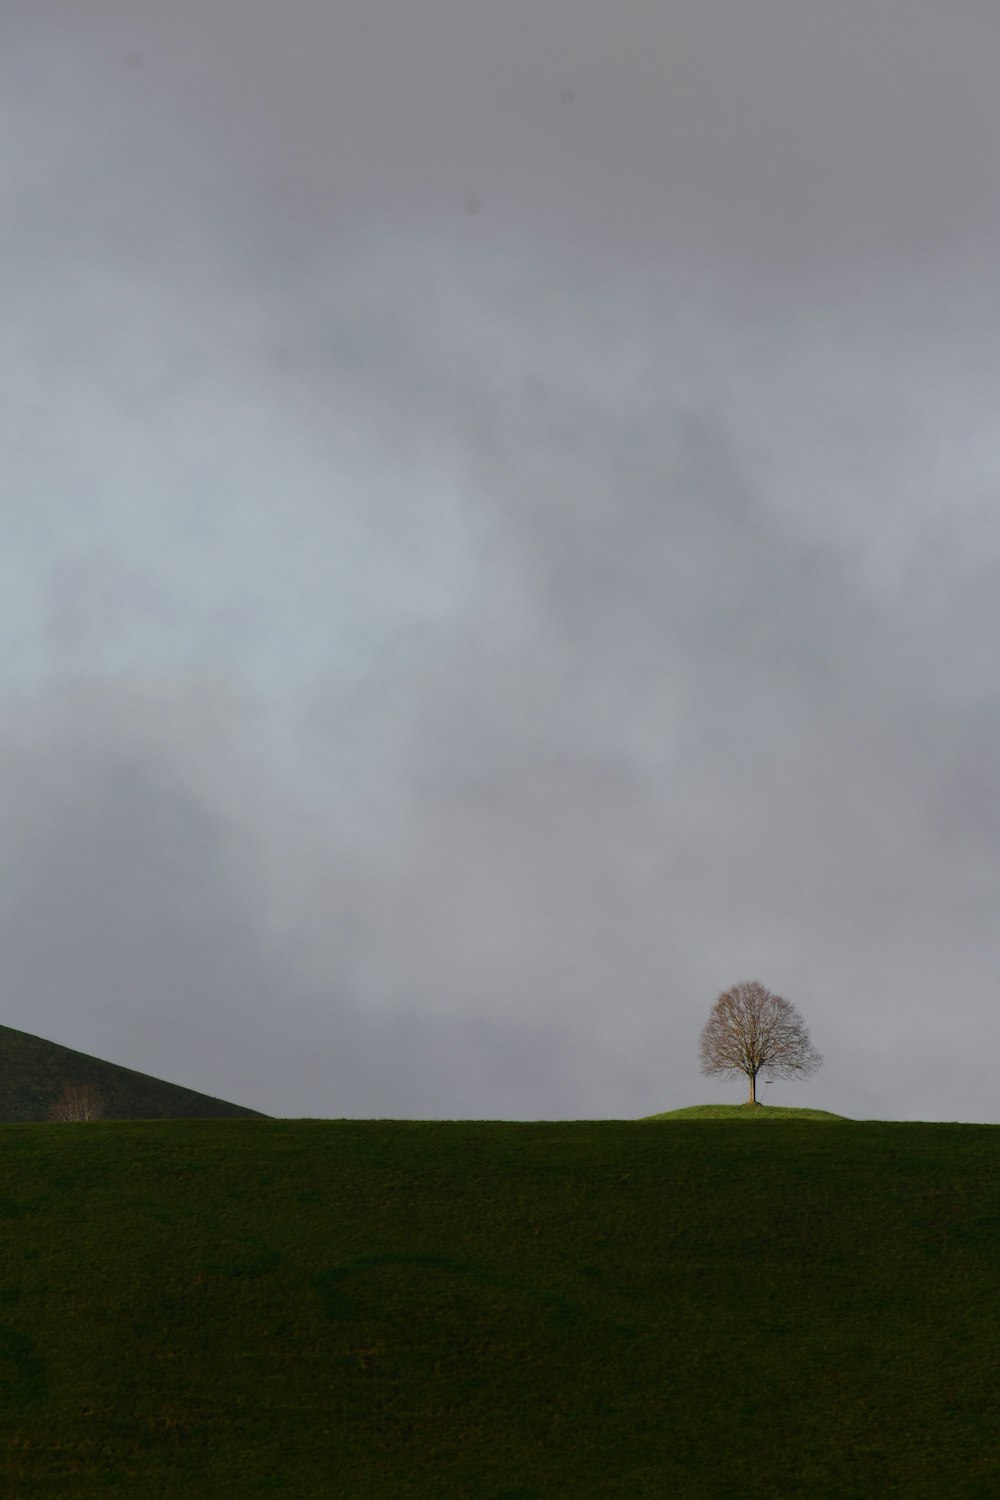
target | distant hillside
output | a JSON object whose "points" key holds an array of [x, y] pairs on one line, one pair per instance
{"points": [[33, 1072]]}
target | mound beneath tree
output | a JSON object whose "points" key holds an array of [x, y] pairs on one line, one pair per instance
{"points": [[745, 1112]]}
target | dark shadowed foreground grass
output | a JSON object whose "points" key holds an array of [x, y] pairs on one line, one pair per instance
{"points": [[366, 1309]]}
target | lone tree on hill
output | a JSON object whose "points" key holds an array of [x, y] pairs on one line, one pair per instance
{"points": [[754, 1032]]}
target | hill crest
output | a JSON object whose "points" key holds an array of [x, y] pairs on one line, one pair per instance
{"points": [[745, 1112]]}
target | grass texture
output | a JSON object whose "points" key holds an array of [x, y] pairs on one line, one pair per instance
{"points": [[498, 1311]]}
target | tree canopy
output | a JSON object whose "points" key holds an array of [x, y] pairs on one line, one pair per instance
{"points": [[753, 1032]]}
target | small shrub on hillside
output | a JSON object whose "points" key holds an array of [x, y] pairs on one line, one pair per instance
{"points": [[78, 1101]]}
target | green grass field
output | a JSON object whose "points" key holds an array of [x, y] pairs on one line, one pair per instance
{"points": [[499, 1311]]}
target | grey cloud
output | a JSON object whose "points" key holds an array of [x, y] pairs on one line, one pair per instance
{"points": [[128, 931], [784, 136]]}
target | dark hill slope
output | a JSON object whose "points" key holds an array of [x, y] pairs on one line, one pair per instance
{"points": [[33, 1072]]}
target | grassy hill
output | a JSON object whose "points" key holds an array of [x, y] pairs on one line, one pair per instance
{"points": [[34, 1071], [745, 1112], [499, 1311]]}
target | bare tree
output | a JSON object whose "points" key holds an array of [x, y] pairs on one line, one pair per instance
{"points": [[78, 1101], [754, 1032]]}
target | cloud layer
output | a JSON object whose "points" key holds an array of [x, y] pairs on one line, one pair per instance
{"points": [[500, 544]]}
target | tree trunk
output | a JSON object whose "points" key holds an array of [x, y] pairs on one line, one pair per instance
{"points": [[753, 1089]]}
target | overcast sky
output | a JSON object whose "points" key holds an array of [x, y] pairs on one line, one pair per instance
{"points": [[501, 541]]}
